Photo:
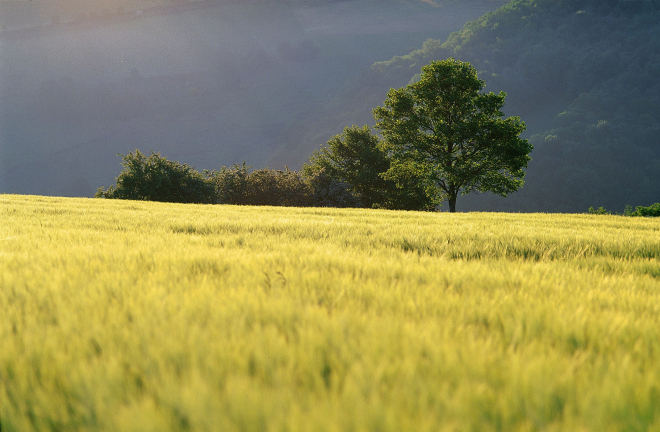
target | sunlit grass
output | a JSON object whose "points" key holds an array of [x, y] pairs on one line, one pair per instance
{"points": [[134, 316]]}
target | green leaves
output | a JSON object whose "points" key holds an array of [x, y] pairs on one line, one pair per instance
{"points": [[353, 157], [444, 127], [154, 178], [359, 159]]}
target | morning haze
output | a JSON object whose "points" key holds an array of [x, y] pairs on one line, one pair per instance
{"points": [[208, 83]]}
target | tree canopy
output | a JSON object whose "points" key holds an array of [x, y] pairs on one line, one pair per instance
{"points": [[445, 129], [583, 75], [154, 178], [356, 157]]}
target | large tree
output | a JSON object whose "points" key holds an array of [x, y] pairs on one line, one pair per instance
{"points": [[445, 129]]}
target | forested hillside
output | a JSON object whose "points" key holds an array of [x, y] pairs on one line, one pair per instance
{"points": [[584, 75]]}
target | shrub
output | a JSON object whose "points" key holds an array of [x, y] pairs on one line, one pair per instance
{"points": [[278, 188], [230, 184], [599, 211], [236, 185], [154, 178], [652, 211], [330, 192]]}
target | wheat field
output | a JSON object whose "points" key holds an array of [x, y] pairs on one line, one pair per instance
{"points": [[140, 316]]}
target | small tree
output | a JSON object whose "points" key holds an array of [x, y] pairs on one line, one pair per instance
{"points": [[154, 178], [355, 157], [230, 184], [442, 128]]}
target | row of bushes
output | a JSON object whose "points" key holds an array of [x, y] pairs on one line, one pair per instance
{"points": [[154, 178], [650, 211], [346, 172]]}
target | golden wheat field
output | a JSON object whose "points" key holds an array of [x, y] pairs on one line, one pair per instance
{"points": [[139, 316]]}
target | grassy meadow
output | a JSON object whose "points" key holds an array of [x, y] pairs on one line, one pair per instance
{"points": [[139, 316]]}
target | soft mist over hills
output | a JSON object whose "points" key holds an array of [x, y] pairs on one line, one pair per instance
{"points": [[206, 83], [216, 83], [584, 76]]}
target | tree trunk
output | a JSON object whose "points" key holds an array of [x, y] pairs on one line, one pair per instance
{"points": [[452, 203]]}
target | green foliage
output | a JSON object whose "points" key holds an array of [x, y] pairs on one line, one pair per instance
{"points": [[353, 157], [599, 211], [328, 191], [277, 187], [444, 130], [231, 184], [356, 158], [237, 185], [154, 178], [581, 72], [650, 211], [411, 61], [628, 210]]}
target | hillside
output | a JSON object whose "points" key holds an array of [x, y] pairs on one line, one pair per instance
{"points": [[583, 75], [208, 83], [597, 65]]}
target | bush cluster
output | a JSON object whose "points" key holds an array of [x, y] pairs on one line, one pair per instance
{"points": [[651, 211], [237, 185], [154, 178], [410, 167]]}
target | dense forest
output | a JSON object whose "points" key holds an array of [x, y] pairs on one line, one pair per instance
{"points": [[583, 74]]}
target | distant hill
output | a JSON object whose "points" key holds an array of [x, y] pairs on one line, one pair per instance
{"points": [[208, 83], [586, 73], [583, 74]]}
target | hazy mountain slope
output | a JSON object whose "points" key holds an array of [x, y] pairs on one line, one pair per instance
{"points": [[584, 76], [209, 83]]}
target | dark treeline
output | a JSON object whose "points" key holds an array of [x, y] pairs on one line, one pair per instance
{"points": [[321, 183], [154, 178]]}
